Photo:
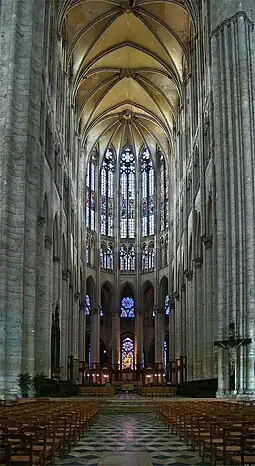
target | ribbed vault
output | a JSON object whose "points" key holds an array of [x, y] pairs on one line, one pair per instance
{"points": [[128, 62]]}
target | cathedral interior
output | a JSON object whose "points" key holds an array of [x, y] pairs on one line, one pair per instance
{"points": [[127, 194]]}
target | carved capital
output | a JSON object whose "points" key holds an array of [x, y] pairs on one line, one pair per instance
{"points": [[77, 296], [56, 259], [65, 275], [176, 295], [198, 261], [48, 242], [189, 274], [207, 240], [40, 221]]}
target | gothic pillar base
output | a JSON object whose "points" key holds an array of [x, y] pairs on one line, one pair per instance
{"points": [[223, 394]]}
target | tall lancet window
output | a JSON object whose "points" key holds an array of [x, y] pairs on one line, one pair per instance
{"points": [[106, 201], [148, 198], [163, 194], [90, 196], [127, 194]]}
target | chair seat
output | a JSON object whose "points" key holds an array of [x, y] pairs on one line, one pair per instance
{"points": [[25, 459], [247, 459]]}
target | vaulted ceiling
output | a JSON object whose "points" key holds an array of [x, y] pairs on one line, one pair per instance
{"points": [[128, 60]]}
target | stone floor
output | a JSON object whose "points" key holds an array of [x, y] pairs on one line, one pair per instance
{"points": [[136, 439]]}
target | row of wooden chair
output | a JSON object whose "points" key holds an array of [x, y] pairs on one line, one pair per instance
{"points": [[157, 392], [35, 434], [100, 391], [221, 431]]}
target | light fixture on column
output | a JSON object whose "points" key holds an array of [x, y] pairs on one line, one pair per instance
{"points": [[154, 310]]}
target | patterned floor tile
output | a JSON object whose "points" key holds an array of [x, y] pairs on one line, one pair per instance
{"points": [[131, 433]]}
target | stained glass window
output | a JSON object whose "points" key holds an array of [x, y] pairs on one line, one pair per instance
{"points": [[127, 194], [163, 194], [131, 258], [87, 305], [106, 199], [148, 198], [167, 305], [127, 354], [145, 261], [110, 257], [90, 196], [151, 257], [106, 257], [148, 257], [123, 258], [127, 307]]}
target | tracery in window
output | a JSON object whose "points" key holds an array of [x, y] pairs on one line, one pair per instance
{"points": [[131, 258], [148, 257], [90, 196], [163, 194], [107, 196], [109, 263], [103, 256], [127, 194], [151, 257], [127, 308], [148, 198], [127, 353], [145, 258], [123, 258]]}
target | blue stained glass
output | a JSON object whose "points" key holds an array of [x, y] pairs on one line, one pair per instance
{"points": [[167, 305], [87, 305], [127, 308]]}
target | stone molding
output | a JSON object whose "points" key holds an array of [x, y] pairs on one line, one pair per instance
{"points": [[77, 295], [176, 295], [207, 240], [183, 287], [41, 221], [48, 242], [231, 19], [198, 261], [189, 274], [65, 275]]}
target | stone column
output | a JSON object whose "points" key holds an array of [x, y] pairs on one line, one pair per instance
{"points": [[190, 317], [118, 348], [81, 337], [95, 336], [21, 67], [159, 338], [198, 317], [44, 311], [64, 326], [209, 337], [233, 97]]}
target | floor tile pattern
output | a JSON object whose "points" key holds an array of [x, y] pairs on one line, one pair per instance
{"points": [[138, 432]]}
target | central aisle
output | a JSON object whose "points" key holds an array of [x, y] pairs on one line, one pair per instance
{"points": [[137, 439]]}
